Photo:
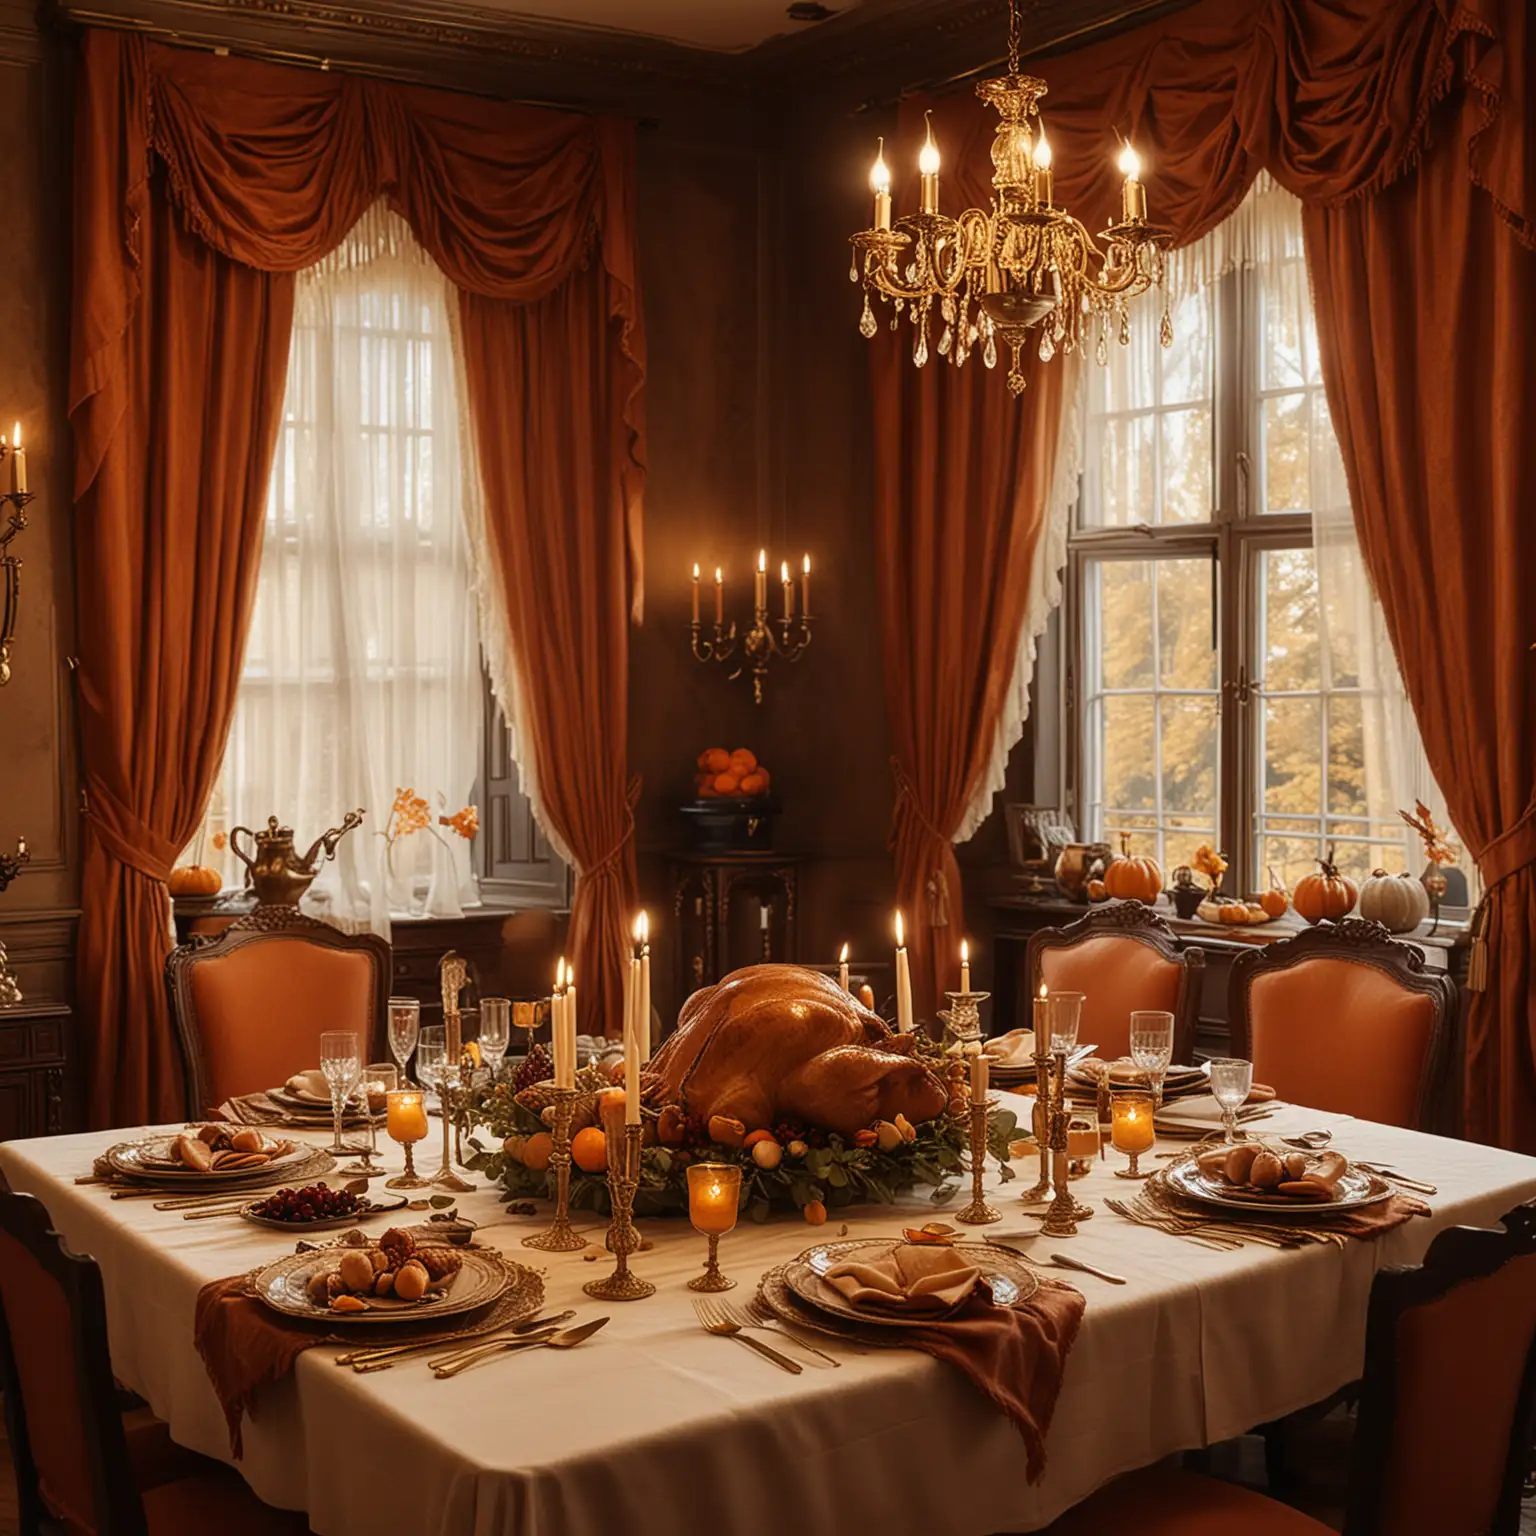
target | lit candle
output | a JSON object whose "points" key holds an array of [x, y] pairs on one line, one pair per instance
{"points": [[789, 589], [880, 185], [565, 1066], [965, 966], [764, 912], [406, 1116], [1044, 187], [1133, 196], [695, 591], [719, 596], [18, 463], [1042, 1018], [903, 983], [979, 1074], [928, 169], [805, 588], [645, 989], [1131, 1123], [714, 1197], [761, 593], [632, 1044], [842, 969], [570, 1025]]}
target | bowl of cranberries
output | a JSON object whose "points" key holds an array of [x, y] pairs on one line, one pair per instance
{"points": [[316, 1206]]}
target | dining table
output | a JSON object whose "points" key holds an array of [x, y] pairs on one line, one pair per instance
{"points": [[654, 1427]]}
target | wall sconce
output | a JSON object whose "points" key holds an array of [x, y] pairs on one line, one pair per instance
{"points": [[17, 497], [785, 638], [10, 863]]}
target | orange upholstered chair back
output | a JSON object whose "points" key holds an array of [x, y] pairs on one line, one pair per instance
{"points": [[1121, 958], [1341, 1018], [252, 1003], [61, 1410], [1450, 1385]]}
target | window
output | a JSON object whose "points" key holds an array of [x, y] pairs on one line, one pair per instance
{"points": [[1228, 675]]}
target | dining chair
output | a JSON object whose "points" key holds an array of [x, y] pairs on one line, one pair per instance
{"points": [[1122, 957], [77, 1468], [1446, 1417], [1343, 1017], [251, 1003]]}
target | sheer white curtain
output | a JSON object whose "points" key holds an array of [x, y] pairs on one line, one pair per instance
{"points": [[362, 672]]}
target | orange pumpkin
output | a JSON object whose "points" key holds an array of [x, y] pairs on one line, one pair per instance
{"points": [[1096, 891], [1132, 877], [1274, 900], [1327, 894], [194, 880]]}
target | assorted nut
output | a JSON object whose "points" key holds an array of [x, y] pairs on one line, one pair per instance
{"points": [[397, 1266]]}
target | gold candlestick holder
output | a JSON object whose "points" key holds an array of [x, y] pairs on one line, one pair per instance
{"points": [[445, 1177], [962, 1019], [978, 1212], [1041, 1189], [561, 1236], [1064, 1212], [623, 1239], [713, 1278]]}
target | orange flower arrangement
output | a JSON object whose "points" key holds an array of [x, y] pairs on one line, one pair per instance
{"points": [[466, 822], [1211, 863], [1436, 845]]}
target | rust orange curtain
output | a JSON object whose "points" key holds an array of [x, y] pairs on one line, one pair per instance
{"points": [[1405, 129], [201, 184]]}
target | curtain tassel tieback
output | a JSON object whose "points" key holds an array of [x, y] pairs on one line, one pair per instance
{"points": [[1509, 852], [124, 834], [610, 861]]}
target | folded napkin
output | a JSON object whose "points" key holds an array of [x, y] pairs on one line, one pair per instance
{"points": [[1014, 1049], [244, 1347], [1202, 1109], [260, 1109], [912, 1278]]}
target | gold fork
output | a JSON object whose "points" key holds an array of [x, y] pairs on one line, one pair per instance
{"points": [[712, 1319], [568, 1339], [756, 1314]]}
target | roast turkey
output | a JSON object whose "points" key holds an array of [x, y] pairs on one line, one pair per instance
{"points": [[779, 1042]]}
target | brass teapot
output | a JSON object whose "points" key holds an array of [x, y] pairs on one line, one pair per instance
{"points": [[277, 874]]}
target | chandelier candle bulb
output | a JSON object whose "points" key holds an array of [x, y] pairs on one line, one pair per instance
{"points": [[928, 169], [903, 982], [880, 185], [1044, 183], [789, 589], [18, 463], [695, 592], [761, 592], [842, 969], [719, 597], [805, 587], [1133, 195]]}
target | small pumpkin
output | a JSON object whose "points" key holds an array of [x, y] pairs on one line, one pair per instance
{"points": [[1132, 877], [194, 880], [1274, 900], [1398, 902], [1096, 890], [1326, 894]]}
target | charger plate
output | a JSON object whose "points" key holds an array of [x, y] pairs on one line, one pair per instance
{"points": [[485, 1277], [126, 1167], [1356, 1189], [152, 1157], [383, 1206], [774, 1291], [1011, 1279]]}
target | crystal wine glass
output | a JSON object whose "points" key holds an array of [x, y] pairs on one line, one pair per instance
{"points": [[341, 1064], [1231, 1082], [1066, 1011], [431, 1055], [495, 1031], [404, 1026], [378, 1081], [1152, 1047]]}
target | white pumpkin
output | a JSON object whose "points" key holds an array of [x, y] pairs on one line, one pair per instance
{"points": [[1398, 902]]}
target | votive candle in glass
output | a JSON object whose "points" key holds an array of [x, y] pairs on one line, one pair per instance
{"points": [[1131, 1130], [714, 1199]]}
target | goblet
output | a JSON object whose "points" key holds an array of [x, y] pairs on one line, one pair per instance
{"points": [[495, 1031], [1152, 1047], [404, 1026], [406, 1123], [1066, 1011], [714, 1197], [1131, 1130], [379, 1080], [1231, 1083], [341, 1065]]}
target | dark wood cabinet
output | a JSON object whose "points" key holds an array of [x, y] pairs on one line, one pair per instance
{"points": [[34, 1052]]}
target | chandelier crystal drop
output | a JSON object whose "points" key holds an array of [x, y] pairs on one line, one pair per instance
{"points": [[999, 273]]}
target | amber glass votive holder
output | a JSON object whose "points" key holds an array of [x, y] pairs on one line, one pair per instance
{"points": [[714, 1198], [405, 1118], [1130, 1128]]}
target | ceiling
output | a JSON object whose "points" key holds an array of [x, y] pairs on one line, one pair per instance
{"points": [[725, 25]]}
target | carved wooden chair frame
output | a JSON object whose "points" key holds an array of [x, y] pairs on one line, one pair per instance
{"points": [[1361, 941], [1132, 920], [1456, 1256], [25, 1218], [256, 927]]}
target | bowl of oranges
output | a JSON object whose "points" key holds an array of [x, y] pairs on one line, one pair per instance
{"points": [[732, 808]]}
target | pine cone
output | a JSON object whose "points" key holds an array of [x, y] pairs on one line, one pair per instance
{"points": [[439, 1263]]}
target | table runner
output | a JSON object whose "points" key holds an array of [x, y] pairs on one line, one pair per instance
{"points": [[654, 1426]]}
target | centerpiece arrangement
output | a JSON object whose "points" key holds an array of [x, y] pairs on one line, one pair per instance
{"points": [[776, 1070]]}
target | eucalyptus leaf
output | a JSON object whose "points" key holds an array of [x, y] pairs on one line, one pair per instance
{"points": [[441, 1202]]}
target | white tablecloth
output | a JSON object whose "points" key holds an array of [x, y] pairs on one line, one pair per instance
{"points": [[654, 1428]]}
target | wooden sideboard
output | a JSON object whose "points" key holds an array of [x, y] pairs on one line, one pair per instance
{"points": [[34, 1052]]}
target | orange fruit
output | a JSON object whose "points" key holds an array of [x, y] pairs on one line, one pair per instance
{"points": [[815, 1213], [764, 775], [537, 1150], [708, 791], [703, 760], [727, 784], [716, 760], [753, 784], [589, 1150], [743, 761], [753, 1137]]}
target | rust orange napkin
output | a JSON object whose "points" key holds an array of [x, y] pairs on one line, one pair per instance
{"points": [[911, 1278], [244, 1347]]}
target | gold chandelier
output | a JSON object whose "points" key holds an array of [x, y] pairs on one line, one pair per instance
{"points": [[1027, 262]]}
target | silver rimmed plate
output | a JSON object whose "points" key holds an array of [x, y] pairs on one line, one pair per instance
{"points": [[1009, 1277], [380, 1207], [1356, 1189], [129, 1167], [155, 1157], [483, 1278]]}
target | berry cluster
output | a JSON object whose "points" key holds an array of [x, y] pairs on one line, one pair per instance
{"points": [[535, 1068], [787, 1131], [317, 1202]]}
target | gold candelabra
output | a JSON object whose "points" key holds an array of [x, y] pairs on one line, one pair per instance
{"points": [[453, 973], [786, 637], [1041, 1120], [561, 1236], [997, 272], [16, 498], [978, 1212], [623, 1239], [1064, 1211]]}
